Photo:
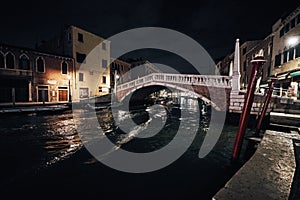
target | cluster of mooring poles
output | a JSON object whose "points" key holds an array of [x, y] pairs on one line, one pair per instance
{"points": [[257, 64]]}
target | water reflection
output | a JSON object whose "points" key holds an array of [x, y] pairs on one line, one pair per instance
{"points": [[29, 143]]}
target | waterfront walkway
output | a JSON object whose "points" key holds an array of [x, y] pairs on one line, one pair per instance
{"points": [[33, 107], [271, 173]]}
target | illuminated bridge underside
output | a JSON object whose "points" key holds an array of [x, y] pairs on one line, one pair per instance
{"points": [[212, 89]]}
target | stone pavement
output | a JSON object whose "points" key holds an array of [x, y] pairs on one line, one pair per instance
{"points": [[33, 107], [269, 174]]}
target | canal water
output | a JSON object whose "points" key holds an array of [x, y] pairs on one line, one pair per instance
{"points": [[42, 156]]}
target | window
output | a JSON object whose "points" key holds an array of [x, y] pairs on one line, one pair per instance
{"points": [[244, 50], [281, 32], [285, 56], [40, 65], [298, 19], [103, 46], [80, 57], [80, 37], [291, 54], [24, 62], [287, 28], [80, 76], [10, 61], [297, 55], [104, 79], [269, 49], [293, 23], [245, 65], [278, 60], [83, 92], [104, 63], [64, 68], [1, 60], [69, 36]]}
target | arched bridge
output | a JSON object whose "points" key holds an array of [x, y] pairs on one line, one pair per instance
{"points": [[212, 89]]}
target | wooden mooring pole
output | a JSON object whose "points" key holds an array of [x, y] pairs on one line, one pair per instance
{"points": [[257, 63]]}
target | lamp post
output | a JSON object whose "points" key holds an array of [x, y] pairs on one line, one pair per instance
{"points": [[69, 78]]}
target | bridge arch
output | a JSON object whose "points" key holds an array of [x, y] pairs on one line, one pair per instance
{"points": [[177, 87]]}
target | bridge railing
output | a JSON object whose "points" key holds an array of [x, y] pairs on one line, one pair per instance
{"points": [[189, 79]]}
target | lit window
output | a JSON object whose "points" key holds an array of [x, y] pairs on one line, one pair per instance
{"points": [[24, 62], [1, 60], [64, 68], [80, 76], [104, 63], [80, 37], [40, 65], [10, 61], [83, 92]]}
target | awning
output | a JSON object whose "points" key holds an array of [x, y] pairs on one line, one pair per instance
{"points": [[297, 73]]}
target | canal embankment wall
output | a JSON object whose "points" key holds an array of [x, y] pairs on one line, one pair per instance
{"points": [[269, 173]]}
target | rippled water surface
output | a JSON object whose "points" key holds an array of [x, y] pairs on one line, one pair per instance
{"points": [[43, 154]]}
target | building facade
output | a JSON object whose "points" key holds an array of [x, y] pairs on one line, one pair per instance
{"points": [[225, 65], [246, 67], [286, 54], [119, 71], [91, 54], [27, 75]]}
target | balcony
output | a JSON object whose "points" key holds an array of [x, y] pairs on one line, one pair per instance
{"points": [[15, 72]]}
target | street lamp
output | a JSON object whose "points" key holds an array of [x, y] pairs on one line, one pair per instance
{"points": [[292, 41], [69, 78]]}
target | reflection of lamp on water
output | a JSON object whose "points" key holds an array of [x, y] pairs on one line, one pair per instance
{"points": [[69, 78]]}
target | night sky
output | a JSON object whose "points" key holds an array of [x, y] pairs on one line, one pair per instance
{"points": [[214, 24]]}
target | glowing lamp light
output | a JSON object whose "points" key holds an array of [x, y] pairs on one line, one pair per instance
{"points": [[292, 41], [69, 76]]}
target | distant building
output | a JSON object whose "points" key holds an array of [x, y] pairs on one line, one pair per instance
{"points": [[32, 76], [92, 56], [247, 55], [286, 54], [225, 66], [119, 69], [143, 68]]}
